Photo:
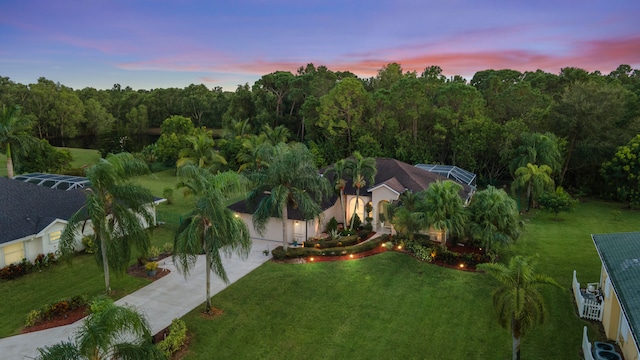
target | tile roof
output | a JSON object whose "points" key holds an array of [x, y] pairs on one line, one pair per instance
{"points": [[401, 176], [620, 255], [26, 209], [393, 173]]}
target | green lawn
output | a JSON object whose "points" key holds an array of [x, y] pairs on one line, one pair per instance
{"points": [[81, 157], [83, 277], [392, 306]]}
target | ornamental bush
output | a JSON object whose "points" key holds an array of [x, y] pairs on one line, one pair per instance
{"points": [[176, 338], [50, 311], [13, 271], [300, 252]]}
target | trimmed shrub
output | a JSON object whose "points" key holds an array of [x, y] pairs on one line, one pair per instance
{"points": [[89, 244], [167, 193], [49, 311], [292, 253], [332, 225], [33, 318], [176, 338]]}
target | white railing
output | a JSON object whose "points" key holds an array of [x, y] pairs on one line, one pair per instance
{"points": [[586, 346], [590, 309]]}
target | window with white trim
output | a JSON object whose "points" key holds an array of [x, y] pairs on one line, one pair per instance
{"points": [[13, 253]]}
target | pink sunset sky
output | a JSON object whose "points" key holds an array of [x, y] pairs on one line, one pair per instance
{"points": [[161, 43]]}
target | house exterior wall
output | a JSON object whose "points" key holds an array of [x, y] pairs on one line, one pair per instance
{"points": [[350, 204], [379, 195], [297, 230], [334, 211], [615, 325], [48, 241]]}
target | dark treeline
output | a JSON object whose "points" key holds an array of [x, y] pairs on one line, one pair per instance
{"points": [[413, 117]]}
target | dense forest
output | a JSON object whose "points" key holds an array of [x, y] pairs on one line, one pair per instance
{"points": [[485, 125]]}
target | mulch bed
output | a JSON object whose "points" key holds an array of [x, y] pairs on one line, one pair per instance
{"points": [[68, 318], [376, 250], [381, 249], [139, 271]]}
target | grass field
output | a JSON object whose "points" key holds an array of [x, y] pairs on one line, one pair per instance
{"points": [[81, 158], [392, 306]]}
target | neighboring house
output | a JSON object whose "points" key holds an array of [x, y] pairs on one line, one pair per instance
{"points": [[392, 179], [32, 219], [620, 280], [618, 292]]}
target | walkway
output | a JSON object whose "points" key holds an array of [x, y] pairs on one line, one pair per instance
{"points": [[161, 301]]}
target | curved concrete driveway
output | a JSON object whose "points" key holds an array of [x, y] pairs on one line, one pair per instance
{"points": [[161, 301]]}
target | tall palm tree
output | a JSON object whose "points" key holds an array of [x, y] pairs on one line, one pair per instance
{"points": [[114, 209], [291, 179], [339, 171], [14, 133], [211, 227], [517, 302], [538, 149], [201, 152], [494, 218], [407, 216], [444, 208], [535, 179], [363, 171], [109, 332]]}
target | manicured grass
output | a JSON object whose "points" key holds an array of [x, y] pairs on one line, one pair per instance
{"points": [[83, 157], [82, 277], [392, 306], [386, 306]]}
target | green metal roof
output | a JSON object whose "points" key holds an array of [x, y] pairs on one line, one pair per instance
{"points": [[620, 255]]}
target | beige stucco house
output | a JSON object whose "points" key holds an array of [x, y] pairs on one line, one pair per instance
{"points": [[392, 179]]}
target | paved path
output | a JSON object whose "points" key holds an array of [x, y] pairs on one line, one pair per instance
{"points": [[161, 301]]}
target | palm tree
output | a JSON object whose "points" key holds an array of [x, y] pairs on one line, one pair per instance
{"points": [[363, 171], [114, 209], [494, 218], [339, 171], [444, 208], [517, 302], [255, 150], [109, 332], [276, 135], [535, 179], [538, 149], [291, 179], [211, 227], [201, 152], [407, 216], [14, 133]]}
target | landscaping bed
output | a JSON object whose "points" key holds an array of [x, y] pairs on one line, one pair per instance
{"points": [[67, 318]]}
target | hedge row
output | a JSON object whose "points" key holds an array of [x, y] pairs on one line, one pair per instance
{"points": [[300, 252], [342, 241]]}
